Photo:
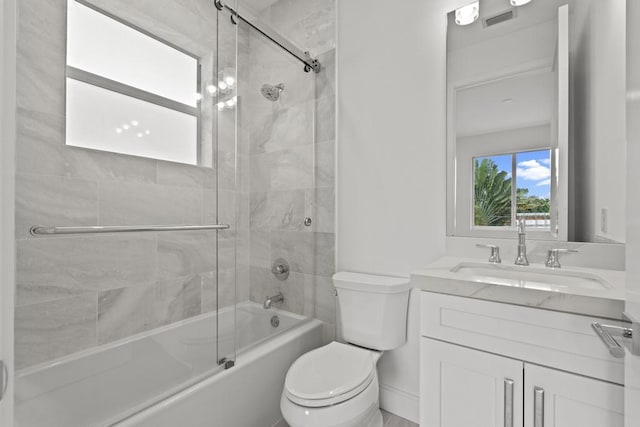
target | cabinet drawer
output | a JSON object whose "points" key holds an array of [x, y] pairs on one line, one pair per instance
{"points": [[560, 340]]}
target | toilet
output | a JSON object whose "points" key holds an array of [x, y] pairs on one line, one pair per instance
{"points": [[337, 385]]}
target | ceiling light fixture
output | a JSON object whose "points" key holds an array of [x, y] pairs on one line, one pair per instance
{"points": [[468, 14], [519, 2]]}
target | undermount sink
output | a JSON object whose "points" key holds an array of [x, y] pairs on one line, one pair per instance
{"points": [[528, 277]]}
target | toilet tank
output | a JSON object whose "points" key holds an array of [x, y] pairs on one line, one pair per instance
{"points": [[373, 309]]}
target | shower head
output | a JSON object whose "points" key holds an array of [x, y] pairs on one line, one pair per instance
{"points": [[272, 93]]}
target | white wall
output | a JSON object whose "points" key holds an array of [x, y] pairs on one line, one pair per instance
{"points": [[391, 151], [632, 363], [599, 142]]}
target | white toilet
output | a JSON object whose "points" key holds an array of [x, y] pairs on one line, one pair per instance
{"points": [[337, 385]]}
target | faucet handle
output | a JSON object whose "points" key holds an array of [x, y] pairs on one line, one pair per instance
{"points": [[494, 258], [553, 257]]}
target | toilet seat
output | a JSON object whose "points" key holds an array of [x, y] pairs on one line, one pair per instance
{"points": [[330, 375]]}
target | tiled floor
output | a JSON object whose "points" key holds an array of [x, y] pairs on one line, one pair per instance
{"points": [[390, 420]]}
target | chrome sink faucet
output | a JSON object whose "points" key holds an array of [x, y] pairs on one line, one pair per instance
{"points": [[521, 258]]}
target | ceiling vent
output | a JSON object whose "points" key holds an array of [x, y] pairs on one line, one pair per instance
{"points": [[499, 18]]}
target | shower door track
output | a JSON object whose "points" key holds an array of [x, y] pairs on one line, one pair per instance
{"points": [[304, 57]]}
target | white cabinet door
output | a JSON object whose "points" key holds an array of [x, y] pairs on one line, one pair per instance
{"points": [[559, 399], [461, 387]]}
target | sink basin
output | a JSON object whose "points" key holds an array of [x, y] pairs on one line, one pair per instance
{"points": [[529, 277]]}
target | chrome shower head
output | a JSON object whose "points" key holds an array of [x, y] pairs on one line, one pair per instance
{"points": [[272, 93]]}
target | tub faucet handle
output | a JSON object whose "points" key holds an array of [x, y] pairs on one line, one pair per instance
{"points": [[280, 269]]}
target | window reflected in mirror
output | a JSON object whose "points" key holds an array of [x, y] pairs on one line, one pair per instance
{"points": [[494, 180]]}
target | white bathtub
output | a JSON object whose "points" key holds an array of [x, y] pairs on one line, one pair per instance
{"points": [[170, 377]]}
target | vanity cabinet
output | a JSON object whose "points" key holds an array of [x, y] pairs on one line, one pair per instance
{"points": [[466, 387], [491, 364], [567, 400]]}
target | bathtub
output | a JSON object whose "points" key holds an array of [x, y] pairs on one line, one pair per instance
{"points": [[173, 376]]}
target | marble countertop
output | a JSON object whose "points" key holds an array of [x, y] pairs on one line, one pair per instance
{"points": [[606, 302]]}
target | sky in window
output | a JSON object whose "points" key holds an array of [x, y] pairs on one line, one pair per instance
{"points": [[533, 170]]}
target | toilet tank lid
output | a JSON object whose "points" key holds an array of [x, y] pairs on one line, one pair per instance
{"points": [[371, 283]]}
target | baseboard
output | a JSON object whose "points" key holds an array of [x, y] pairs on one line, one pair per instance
{"points": [[400, 402]]}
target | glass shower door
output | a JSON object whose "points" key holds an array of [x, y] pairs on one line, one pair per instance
{"points": [[130, 138], [225, 89]]}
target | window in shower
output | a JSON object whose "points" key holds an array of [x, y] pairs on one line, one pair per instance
{"points": [[128, 91]]}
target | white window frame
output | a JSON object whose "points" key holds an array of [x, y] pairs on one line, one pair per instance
{"points": [[142, 95]]}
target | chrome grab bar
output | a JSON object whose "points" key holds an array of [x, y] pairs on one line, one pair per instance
{"points": [[38, 230], [606, 332]]}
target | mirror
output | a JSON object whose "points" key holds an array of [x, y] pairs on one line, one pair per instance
{"points": [[132, 88], [536, 120]]}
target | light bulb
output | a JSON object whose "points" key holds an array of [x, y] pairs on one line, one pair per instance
{"points": [[118, 130], [212, 89], [125, 126], [220, 106], [222, 85], [230, 81], [230, 103], [139, 134], [134, 123], [468, 14], [519, 2], [148, 132]]}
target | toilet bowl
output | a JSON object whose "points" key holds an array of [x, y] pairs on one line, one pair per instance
{"points": [[337, 385], [334, 385]]}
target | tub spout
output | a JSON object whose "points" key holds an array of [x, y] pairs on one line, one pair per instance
{"points": [[278, 298]]}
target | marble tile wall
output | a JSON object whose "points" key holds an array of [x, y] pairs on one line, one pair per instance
{"points": [[291, 156], [74, 293]]}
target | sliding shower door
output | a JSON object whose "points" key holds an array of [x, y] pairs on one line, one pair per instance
{"points": [[285, 201], [225, 93], [126, 167]]}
